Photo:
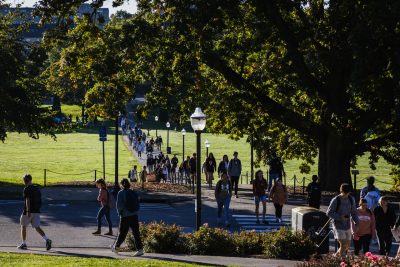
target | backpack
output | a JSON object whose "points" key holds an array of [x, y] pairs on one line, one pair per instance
{"points": [[223, 193], [338, 202], [372, 198], [132, 201], [110, 198]]}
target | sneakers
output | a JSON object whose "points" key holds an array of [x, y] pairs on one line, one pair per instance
{"points": [[109, 233], [138, 253], [115, 249], [48, 244], [237, 196], [22, 246], [98, 232]]}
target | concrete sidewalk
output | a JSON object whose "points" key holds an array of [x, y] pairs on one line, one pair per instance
{"points": [[206, 260]]}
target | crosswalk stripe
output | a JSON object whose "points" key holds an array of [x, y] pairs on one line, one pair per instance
{"points": [[249, 222]]}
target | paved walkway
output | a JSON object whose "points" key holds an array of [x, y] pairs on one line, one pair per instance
{"points": [[207, 260]]}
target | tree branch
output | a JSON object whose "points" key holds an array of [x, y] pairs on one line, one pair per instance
{"points": [[273, 108]]}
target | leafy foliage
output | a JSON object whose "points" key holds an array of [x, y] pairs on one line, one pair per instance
{"points": [[21, 92]]}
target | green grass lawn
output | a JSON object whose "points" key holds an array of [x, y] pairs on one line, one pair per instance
{"points": [[221, 144], [74, 110], [72, 153], [14, 259]]}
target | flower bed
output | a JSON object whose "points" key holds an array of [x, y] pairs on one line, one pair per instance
{"points": [[368, 260]]}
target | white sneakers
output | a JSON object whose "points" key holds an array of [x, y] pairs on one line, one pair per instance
{"points": [[138, 253]]}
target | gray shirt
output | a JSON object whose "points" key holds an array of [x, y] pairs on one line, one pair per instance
{"points": [[234, 167], [346, 208]]}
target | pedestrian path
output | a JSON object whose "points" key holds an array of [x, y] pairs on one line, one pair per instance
{"points": [[249, 222]]}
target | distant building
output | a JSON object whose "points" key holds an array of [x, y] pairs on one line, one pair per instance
{"points": [[36, 32]]}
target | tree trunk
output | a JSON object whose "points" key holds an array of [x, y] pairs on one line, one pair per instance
{"points": [[334, 162]]}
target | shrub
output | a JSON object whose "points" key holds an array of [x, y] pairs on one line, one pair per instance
{"points": [[249, 242], [286, 244], [160, 238], [210, 241]]}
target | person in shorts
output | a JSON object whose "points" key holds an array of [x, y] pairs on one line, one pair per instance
{"points": [[342, 210], [259, 187], [31, 212]]}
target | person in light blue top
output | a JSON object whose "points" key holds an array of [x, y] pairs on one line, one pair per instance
{"points": [[341, 210]]}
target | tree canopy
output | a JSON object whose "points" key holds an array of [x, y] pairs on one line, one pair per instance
{"points": [[304, 78], [21, 91]]}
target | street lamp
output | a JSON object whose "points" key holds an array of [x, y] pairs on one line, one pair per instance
{"points": [[156, 119], [168, 147], [198, 122], [183, 144], [207, 144]]}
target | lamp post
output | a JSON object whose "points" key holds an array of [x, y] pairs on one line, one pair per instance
{"points": [[168, 147], [207, 144], [156, 119], [183, 144], [198, 122]]}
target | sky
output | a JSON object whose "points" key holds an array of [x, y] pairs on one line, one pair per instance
{"points": [[129, 6]]}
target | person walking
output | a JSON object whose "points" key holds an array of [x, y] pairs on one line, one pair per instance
{"points": [[127, 207], [143, 176], [276, 170], [31, 212], [365, 231], [371, 193], [385, 220], [279, 196], [210, 168], [234, 171], [314, 193], [259, 187], [341, 209], [192, 166], [105, 207], [132, 174], [223, 193], [223, 165]]}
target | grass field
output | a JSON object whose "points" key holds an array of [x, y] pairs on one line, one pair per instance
{"points": [[221, 144], [14, 259], [72, 153]]}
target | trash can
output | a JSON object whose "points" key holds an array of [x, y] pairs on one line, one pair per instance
{"points": [[168, 150], [312, 221]]}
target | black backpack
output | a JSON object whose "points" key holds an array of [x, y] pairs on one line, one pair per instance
{"points": [[132, 203]]}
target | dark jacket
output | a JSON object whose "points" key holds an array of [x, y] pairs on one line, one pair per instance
{"points": [[221, 167], [384, 221]]}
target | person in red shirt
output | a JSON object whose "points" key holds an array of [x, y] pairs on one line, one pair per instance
{"points": [[365, 231], [105, 207], [259, 187]]}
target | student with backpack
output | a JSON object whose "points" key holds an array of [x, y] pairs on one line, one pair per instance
{"points": [[341, 209], [104, 198], [128, 207], [314, 193], [276, 170], [234, 171], [31, 213], [365, 231], [279, 197], [259, 187], [371, 193], [223, 193]]}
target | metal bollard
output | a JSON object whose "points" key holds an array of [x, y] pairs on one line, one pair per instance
{"points": [[294, 184], [304, 185], [44, 177]]}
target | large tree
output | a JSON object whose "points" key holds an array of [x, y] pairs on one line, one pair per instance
{"points": [[21, 93], [305, 78]]}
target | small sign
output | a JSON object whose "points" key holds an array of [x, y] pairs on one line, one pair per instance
{"points": [[103, 133]]}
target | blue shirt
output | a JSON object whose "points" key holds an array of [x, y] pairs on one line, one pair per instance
{"points": [[121, 207]]}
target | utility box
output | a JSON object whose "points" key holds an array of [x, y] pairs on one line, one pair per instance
{"points": [[312, 221]]}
